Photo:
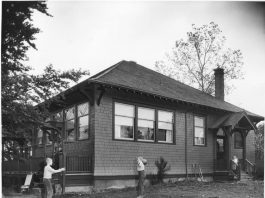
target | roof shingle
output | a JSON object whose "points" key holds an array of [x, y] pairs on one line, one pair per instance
{"points": [[131, 75]]}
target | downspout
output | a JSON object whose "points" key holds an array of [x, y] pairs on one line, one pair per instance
{"points": [[186, 145]]}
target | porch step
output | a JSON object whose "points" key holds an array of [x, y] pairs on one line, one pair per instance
{"points": [[245, 177]]}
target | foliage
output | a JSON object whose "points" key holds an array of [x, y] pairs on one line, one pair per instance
{"points": [[259, 142], [20, 89], [192, 60], [162, 168]]}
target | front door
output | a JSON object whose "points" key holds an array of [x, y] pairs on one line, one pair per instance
{"points": [[220, 153]]}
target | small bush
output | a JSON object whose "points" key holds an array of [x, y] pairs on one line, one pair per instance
{"points": [[153, 179], [162, 168]]}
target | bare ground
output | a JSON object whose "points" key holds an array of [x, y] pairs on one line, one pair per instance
{"points": [[187, 189]]}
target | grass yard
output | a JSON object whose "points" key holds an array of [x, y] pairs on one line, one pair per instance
{"points": [[187, 189]]}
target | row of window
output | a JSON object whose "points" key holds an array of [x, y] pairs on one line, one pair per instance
{"points": [[74, 122], [147, 130], [151, 125], [130, 123]]}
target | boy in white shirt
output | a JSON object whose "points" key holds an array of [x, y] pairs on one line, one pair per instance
{"points": [[47, 177], [141, 162]]}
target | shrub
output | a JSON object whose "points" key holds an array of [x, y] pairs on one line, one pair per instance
{"points": [[162, 168]]}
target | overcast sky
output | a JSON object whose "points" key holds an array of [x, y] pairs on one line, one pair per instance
{"points": [[96, 35]]}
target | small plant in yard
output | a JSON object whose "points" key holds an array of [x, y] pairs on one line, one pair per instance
{"points": [[162, 168]]}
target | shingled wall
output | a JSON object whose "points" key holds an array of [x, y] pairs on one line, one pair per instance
{"points": [[117, 158]]}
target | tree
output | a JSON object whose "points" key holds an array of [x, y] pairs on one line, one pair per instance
{"points": [[192, 60], [21, 90], [259, 142]]}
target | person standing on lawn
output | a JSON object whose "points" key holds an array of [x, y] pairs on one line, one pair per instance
{"points": [[47, 177], [141, 162]]}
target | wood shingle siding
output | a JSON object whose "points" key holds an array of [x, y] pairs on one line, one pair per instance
{"points": [[117, 157]]}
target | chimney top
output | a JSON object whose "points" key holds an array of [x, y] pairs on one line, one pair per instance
{"points": [[218, 70], [219, 83]]}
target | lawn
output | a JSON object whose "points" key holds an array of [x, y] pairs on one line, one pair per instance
{"points": [[187, 189]]}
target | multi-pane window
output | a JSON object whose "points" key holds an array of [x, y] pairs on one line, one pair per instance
{"points": [[47, 136], [124, 121], [238, 140], [146, 124], [70, 124], [83, 120], [199, 130], [40, 137], [165, 126], [143, 124]]}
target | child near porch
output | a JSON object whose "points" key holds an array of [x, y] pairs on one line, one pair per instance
{"points": [[47, 177], [141, 162], [235, 166]]}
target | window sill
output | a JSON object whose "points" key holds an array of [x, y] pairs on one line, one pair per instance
{"points": [[141, 140], [164, 142], [125, 140], [200, 145], [83, 139]]}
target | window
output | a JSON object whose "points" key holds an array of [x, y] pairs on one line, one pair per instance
{"points": [[48, 141], [165, 127], [70, 124], [40, 137], [238, 140], [143, 124], [146, 124], [124, 121], [83, 121], [199, 130]]}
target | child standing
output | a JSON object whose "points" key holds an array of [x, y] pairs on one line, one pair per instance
{"points": [[47, 177], [141, 162]]}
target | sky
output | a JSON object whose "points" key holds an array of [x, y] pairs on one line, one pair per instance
{"points": [[95, 35]]}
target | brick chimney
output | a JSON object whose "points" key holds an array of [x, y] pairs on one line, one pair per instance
{"points": [[219, 83]]}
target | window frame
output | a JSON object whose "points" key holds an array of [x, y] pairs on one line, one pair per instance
{"points": [[136, 105], [235, 145], [154, 122], [172, 123], [77, 121], [64, 123], [40, 138], [204, 117], [113, 121]]}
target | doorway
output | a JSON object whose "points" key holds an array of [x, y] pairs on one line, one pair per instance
{"points": [[221, 162]]}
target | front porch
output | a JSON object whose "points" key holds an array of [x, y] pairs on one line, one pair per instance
{"points": [[230, 135]]}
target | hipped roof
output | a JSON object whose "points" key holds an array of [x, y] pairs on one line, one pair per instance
{"points": [[130, 75]]}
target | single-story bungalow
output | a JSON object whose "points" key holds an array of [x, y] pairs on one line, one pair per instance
{"points": [[128, 110]]}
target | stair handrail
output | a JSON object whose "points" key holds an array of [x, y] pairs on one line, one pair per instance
{"points": [[250, 167]]}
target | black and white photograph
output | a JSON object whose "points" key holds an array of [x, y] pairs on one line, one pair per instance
{"points": [[132, 99]]}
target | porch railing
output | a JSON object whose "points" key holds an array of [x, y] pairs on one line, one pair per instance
{"points": [[250, 168], [33, 164], [74, 163], [78, 163]]}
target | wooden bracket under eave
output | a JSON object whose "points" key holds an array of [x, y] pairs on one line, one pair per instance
{"points": [[89, 94], [102, 91]]}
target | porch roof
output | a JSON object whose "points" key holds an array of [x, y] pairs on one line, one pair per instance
{"points": [[239, 119]]}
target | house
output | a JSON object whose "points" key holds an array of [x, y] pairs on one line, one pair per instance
{"points": [[128, 110]]}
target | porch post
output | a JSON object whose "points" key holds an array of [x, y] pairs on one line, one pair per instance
{"points": [[228, 140], [244, 149]]}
